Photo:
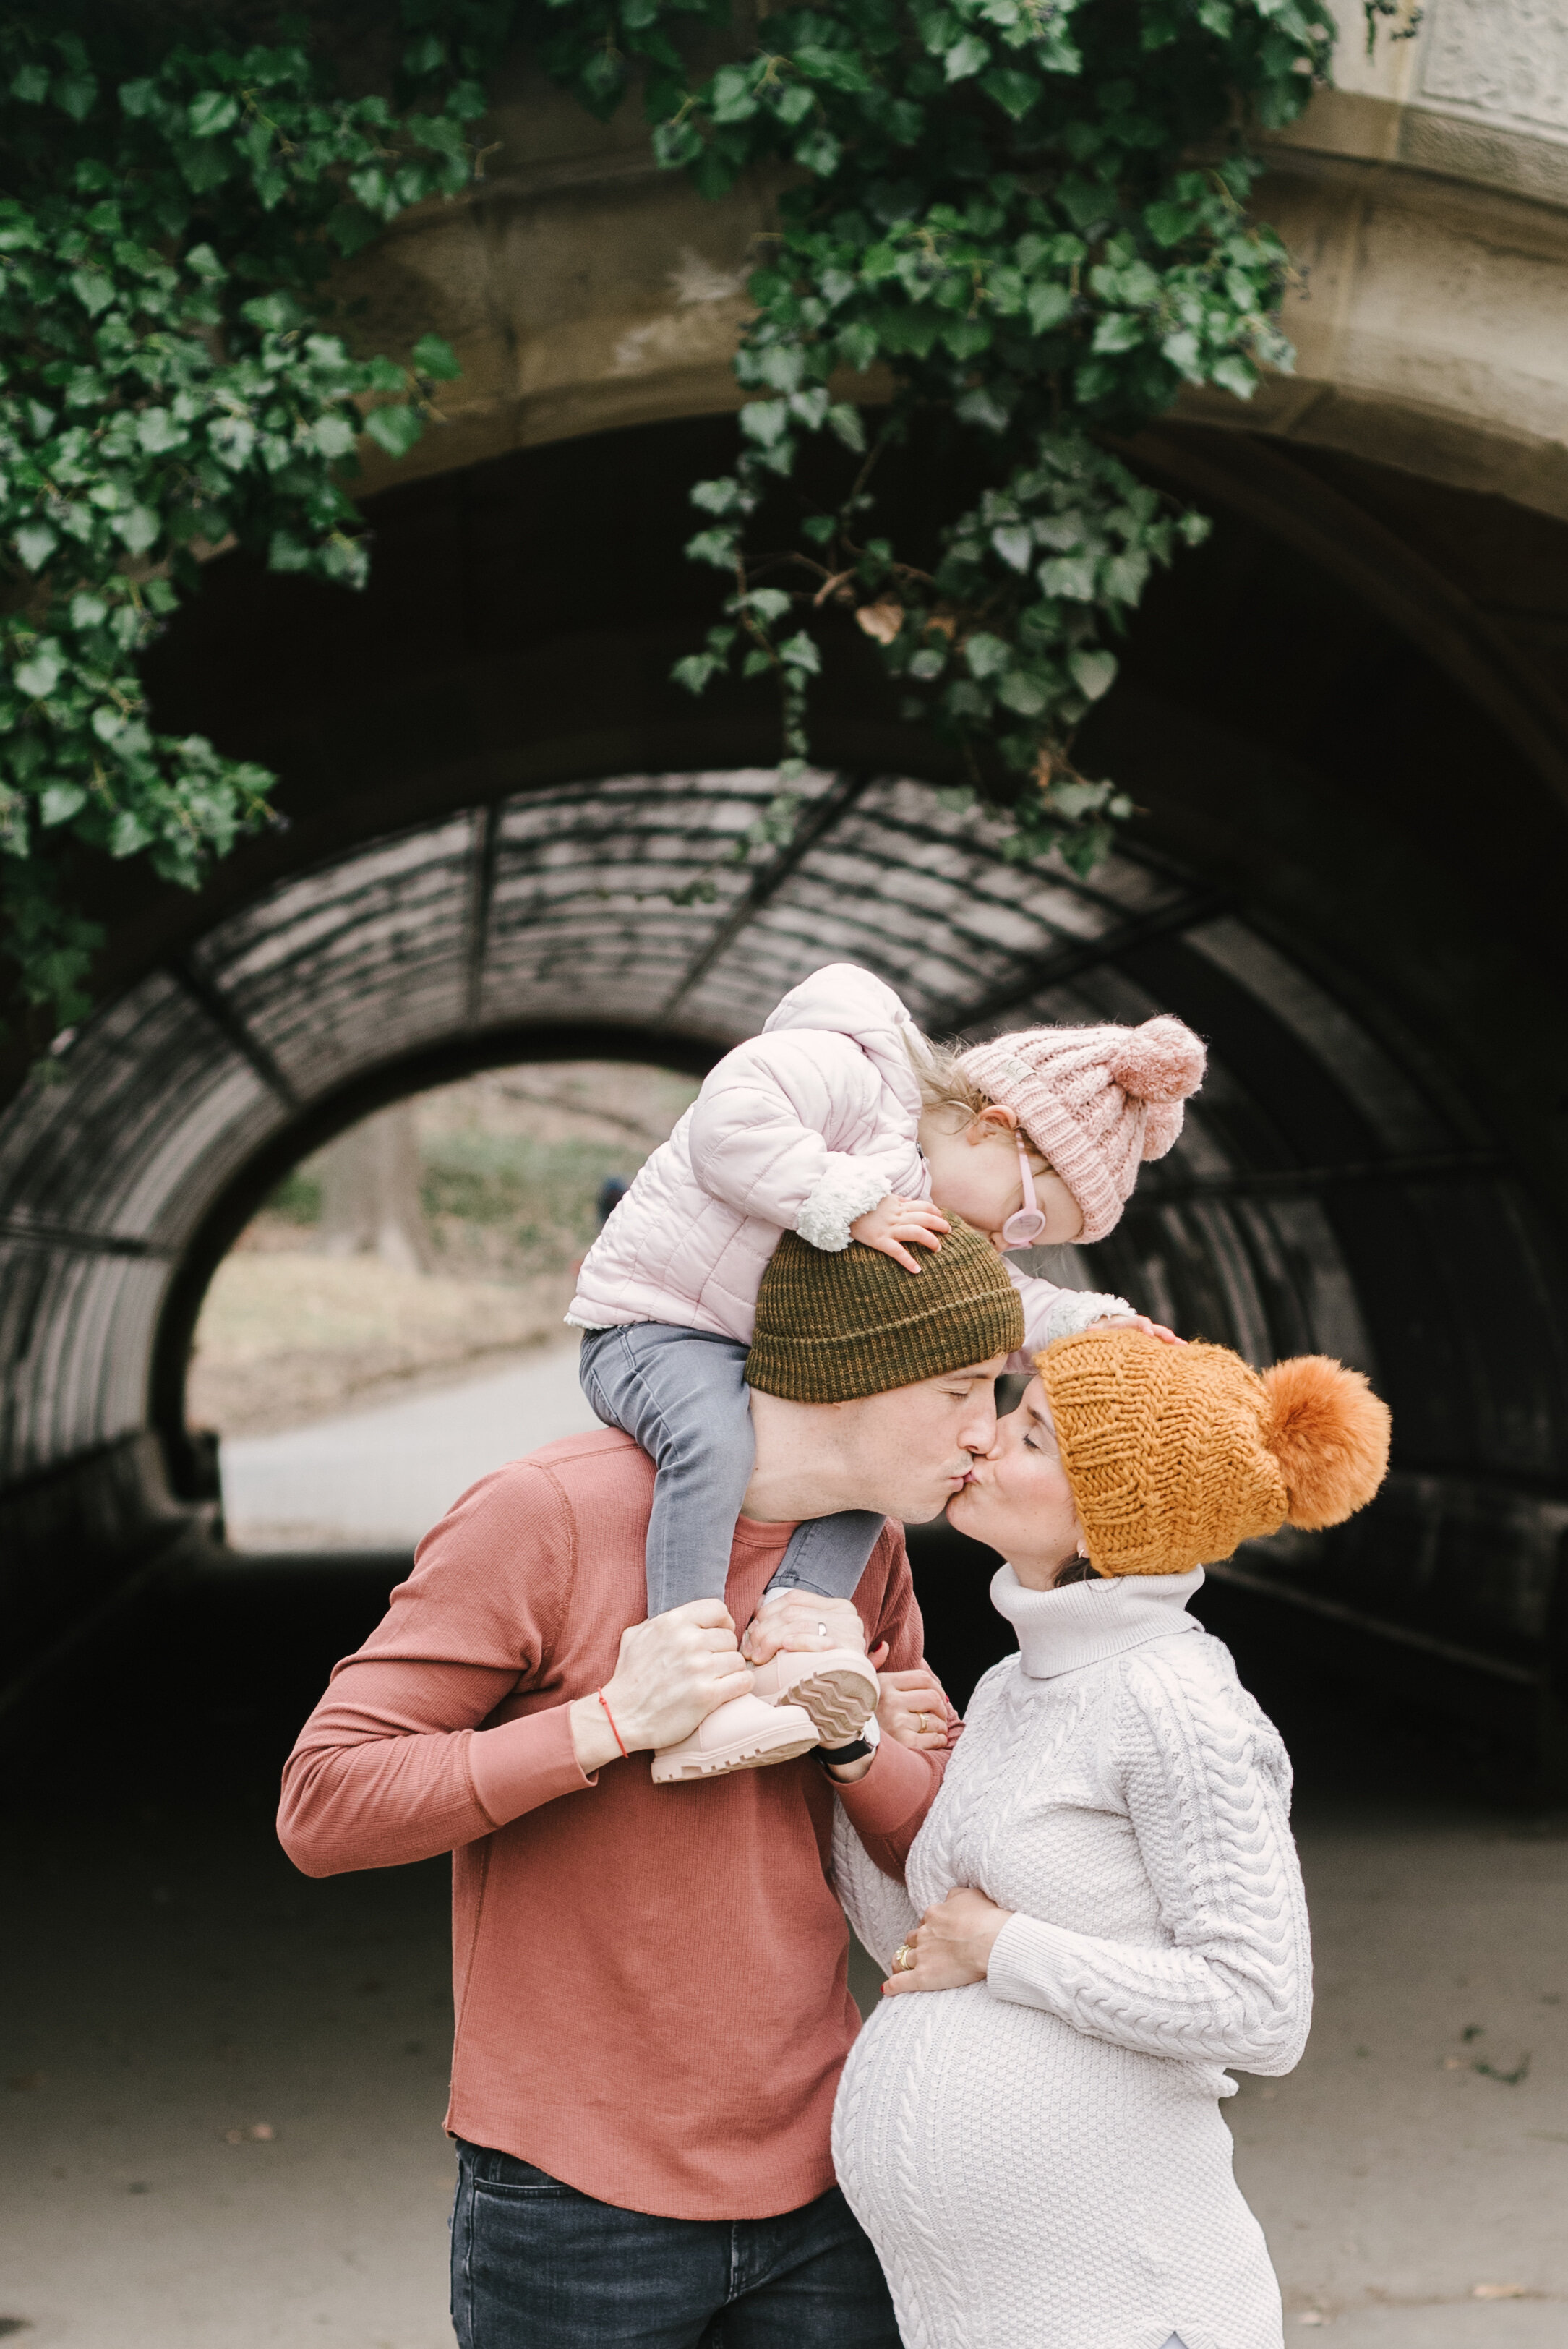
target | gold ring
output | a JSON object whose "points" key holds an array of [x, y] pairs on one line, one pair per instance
{"points": [[903, 1958], [920, 1724]]}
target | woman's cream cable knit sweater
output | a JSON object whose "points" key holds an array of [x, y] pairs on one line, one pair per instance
{"points": [[1040, 2158]]}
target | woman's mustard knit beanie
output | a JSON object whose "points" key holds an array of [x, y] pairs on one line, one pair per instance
{"points": [[1175, 1454]]}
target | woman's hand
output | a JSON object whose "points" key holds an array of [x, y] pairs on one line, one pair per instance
{"points": [[893, 1220], [913, 1710], [950, 1946], [1140, 1321]]}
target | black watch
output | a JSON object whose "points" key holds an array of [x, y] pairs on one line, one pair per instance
{"points": [[856, 1751]]}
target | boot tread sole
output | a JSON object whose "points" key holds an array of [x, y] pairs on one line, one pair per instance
{"points": [[713, 1766], [837, 1701]]}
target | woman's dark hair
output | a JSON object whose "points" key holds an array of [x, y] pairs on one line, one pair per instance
{"points": [[1079, 1571]]}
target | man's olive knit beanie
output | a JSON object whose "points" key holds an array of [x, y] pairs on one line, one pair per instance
{"points": [[831, 1328]]}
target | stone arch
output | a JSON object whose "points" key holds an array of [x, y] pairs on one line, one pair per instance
{"points": [[498, 803]]}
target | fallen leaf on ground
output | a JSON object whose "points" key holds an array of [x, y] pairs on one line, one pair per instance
{"points": [[1501, 2292]]}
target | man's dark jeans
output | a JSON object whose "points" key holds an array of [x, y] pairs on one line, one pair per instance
{"points": [[536, 2265]]}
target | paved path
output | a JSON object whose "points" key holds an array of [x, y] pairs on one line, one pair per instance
{"points": [[225, 2082], [228, 2130], [378, 1478]]}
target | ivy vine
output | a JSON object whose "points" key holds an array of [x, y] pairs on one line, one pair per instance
{"points": [[994, 211], [168, 386], [1025, 221]]}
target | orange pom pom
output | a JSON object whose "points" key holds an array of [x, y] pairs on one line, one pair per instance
{"points": [[1329, 1434]]}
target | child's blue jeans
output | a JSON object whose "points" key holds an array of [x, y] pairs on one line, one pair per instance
{"points": [[682, 1395]]}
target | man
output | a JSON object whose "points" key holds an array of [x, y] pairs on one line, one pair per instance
{"points": [[652, 2008]]}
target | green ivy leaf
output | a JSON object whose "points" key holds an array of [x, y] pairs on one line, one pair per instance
{"points": [[157, 431], [433, 356], [211, 111], [986, 654], [966, 57], [93, 288], [334, 436], [35, 543], [1014, 543], [274, 314], [716, 547], [128, 832], [1118, 331], [38, 677], [1024, 693], [1015, 92], [1047, 305], [841, 69], [857, 345], [74, 94], [1068, 576], [720, 497], [818, 152], [1169, 222], [140, 529], [767, 605], [58, 802], [395, 428], [1235, 374], [801, 652], [1094, 672], [765, 420]]}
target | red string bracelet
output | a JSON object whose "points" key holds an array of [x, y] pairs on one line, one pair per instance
{"points": [[613, 1731]]}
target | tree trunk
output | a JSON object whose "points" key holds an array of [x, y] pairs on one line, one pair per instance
{"points": [[370, 1192]]}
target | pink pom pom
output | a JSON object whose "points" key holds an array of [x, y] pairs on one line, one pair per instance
{"points": [[1161, 1061]]}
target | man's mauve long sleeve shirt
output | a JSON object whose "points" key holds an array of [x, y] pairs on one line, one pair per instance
{"points": [[649, 1980]]}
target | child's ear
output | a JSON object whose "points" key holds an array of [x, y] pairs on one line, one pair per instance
{"points": [[993, 1120]]}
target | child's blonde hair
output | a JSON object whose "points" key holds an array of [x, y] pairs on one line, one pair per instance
{"points": [[943, 1082]]}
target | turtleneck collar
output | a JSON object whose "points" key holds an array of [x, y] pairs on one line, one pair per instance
{"points": [[1085, 1622]]}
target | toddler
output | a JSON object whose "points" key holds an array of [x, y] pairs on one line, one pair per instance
{"points": [[841, 1122]]}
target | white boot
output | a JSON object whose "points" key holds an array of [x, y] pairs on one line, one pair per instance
{"points": [[741, 1734], [835, 1686]]}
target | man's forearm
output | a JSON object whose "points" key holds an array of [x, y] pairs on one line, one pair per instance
{"points": [[887, 1806], [353, 1798]]}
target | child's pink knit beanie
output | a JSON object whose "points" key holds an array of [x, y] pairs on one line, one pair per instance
{"points": [[1096, 1101]]}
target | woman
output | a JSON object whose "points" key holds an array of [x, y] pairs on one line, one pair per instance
{"points": [[1104, 1906]]}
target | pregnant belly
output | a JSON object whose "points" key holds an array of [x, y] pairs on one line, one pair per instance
{"points": [[962, 2120]]}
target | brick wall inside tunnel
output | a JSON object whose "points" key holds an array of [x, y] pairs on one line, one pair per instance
{"points": [[470, 875]]}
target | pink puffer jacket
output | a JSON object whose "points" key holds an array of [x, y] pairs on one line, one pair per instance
{"points": [[804, 1128]]}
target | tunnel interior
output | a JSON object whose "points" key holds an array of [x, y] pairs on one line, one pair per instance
{"points": [[1341, 874]]}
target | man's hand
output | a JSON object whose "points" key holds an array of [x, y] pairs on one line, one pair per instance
{"points": [[893, 1220], [951, 1945], [670, 1673], [1140, 1321], [914, 1709], [801, 1619]]}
